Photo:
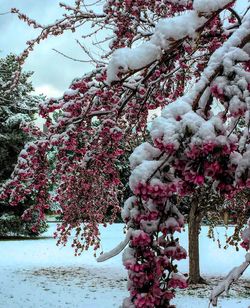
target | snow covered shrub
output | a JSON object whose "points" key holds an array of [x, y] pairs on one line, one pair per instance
{"points": [[12, 224]]}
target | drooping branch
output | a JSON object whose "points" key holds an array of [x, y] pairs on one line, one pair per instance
{"points": [[119, 248], [232, 277]]}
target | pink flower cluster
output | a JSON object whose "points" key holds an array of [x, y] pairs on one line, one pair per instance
{"points": [[246, 237], [169, 148], [159, 191], [176, 252], [177, 281], [140, 238], [217, 92], [245, 244]]}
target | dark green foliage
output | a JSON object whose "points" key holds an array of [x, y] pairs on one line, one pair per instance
{"points": [[11, 224], [17, 105]]}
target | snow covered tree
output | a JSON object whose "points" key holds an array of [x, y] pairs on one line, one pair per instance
{"points": [[193, 147], [158, 50], [127, 103], [17, 106]]}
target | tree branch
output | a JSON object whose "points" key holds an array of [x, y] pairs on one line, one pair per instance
{"points": [[233, 276]]}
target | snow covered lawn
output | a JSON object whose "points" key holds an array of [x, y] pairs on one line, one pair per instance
{"points": [[37, 273]]}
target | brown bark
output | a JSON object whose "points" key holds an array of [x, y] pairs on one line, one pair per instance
{"points": [[194, 223]]}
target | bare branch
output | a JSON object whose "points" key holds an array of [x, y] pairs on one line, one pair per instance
{"points": [[70, 58], [5, 13]]}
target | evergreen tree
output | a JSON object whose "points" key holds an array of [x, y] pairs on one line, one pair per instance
{"points": [[17, 107]]}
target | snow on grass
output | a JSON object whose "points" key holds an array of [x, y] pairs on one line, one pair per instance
{"points": [[38, 274]]}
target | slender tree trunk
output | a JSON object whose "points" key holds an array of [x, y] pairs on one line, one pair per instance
{"points": [[194, 223]]}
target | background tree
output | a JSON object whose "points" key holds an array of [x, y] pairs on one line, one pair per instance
{"points": [[208, 207], [17, 106]]}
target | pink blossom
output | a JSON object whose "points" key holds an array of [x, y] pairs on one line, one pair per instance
{"points": [[140, 238], [211, 169], [199, 179], [168, 295], [217, 92], [245, 244], [208, 147], [144, 301], [177, 281]]}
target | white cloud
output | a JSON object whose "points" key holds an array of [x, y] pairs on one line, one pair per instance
{"points": [[48, 66], [48, 90]]}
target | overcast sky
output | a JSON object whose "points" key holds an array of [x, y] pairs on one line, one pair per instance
{"points": [[52, 72]]}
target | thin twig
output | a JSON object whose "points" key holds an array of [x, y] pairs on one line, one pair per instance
{"points": [[70, 58], [158, 168], [236, 123], [5, 13]]}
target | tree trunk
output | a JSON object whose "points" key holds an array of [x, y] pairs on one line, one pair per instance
{"points": [[193, 244]]}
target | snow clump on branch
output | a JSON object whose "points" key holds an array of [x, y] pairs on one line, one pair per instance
{"points": [[167, 32]]}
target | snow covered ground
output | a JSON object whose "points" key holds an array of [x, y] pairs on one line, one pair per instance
{"points": [[37, 273]]}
